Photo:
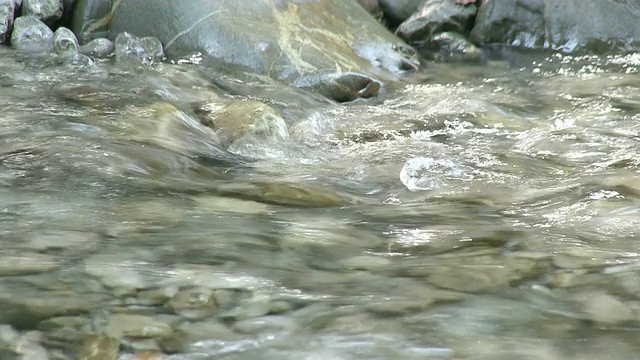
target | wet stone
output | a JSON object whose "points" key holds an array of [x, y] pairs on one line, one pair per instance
{"points": [[82, 61], [31, 35], [218, 204], [299, 195], [48, 11], [99, 48], [159, 296], [131, 50], [366, 262], [451, 47], [604, 308], [23, 263], [137, 326], [97, 347], [272, 323], [7, 12], [60, 331], [14, 345], [238, 119], [195, 303], [480, 273], [411, 298], [115, 272], [65, 44], [256, 306], [67, 242]]}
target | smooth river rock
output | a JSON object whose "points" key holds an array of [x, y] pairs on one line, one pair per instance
{"points": [[322, 44], [65, 44], [31, 35]]}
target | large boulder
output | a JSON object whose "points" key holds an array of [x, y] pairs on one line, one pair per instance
{"points": [[511, 22], [566, 25], [316, 44], [593, 24]]}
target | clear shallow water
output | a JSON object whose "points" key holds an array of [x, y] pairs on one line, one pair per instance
{"points": [[120, 214]]}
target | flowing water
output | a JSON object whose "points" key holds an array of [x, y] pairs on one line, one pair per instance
{"points": [[481, 212]]}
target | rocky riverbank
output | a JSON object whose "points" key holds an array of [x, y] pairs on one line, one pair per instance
{"points": [[331, 47]]}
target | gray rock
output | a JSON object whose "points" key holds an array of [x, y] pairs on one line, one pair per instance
{"points": [[7, 13], [31, 35], [68, 242], [131, 50], [233, 120], [137, 326], [99, 48], [65, 44], [397, 11], [594, 25], [511, 22], [14, 345], [285, 40], [558, 24], [194, 303], [258, 305], [28, 306], [95, 347], [49, 11], [23, 263], [272, 323], [451, 47], [604, 308], [437, 16], [82, 61]]}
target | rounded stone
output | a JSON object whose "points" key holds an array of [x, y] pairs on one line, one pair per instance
{"points": [[99, 48], [65, 43], [195, 303], [31, 35]]}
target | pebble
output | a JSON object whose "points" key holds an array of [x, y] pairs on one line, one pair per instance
{"points": [[265, 324], [22, 263], [604, 308], [137, 326], [366, 262], [68, 242], [194, 303], [96, 347], [65, 44], [99, 48], [31, 35], [116, 271]]}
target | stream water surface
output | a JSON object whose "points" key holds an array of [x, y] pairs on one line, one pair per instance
{"points": [[483, 212]]}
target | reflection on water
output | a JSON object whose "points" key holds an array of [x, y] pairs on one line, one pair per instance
{"points": [[490, 213]]}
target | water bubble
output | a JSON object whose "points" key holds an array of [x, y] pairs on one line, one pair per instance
{"points": [[424, 173]]}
